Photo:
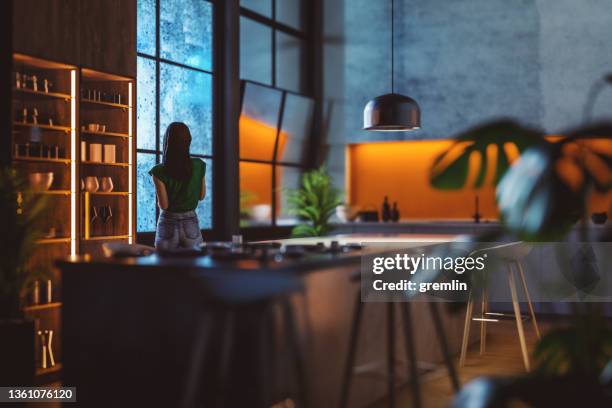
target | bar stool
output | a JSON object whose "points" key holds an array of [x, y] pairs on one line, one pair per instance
{"points": [[230, 297], [511, 254], [405, 309]]}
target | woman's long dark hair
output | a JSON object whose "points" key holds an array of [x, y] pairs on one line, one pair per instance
{"points": [[176, 151]]}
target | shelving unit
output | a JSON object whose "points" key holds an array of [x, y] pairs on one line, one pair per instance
{"points": [[97, 226], [69, 112]]}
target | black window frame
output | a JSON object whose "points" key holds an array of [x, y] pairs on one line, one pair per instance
{"points": [[147, 236], [307, 85]]}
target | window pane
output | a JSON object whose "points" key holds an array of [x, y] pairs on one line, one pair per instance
{"points": [[255, 194], [289, 12], [258, 122], [185, 96], [289, 52], [146, 27], [287, 178], [255, 51], [263, 7], [145, 193], [145, 122], [186, 32], [295, 129], [204, 209]]}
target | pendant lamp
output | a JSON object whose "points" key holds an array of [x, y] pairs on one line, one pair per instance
{"points": [[392, 112]]}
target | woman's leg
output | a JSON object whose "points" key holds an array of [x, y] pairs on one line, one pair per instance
{"points": [[167, 234]]}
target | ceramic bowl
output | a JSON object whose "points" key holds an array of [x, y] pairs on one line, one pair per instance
{"points": [[346, 212], [41, 181], [261, 212]]}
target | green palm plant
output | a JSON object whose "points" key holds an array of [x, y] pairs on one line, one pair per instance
{"points": [[21, 211], [314, 202]]}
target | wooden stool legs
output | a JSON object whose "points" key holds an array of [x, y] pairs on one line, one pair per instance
{"points": [[517, 314], [519, 318], [466, 329]]}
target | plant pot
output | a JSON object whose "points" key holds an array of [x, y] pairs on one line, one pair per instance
{"points": [[17, 352]]}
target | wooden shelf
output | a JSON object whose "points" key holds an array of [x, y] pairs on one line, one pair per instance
{"points": [[65, 240], [112, 134], [56, 95], [110, 193], [108, 104], [54, 192], [45, 127], [105, 164], [41, 160], [42, 306], [106, 238]]}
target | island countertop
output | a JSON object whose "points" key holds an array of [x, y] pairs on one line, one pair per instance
{"points": [[309, 262]]}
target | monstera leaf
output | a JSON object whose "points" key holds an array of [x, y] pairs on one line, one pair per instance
{"points": [[450, 169], [545, 192]]}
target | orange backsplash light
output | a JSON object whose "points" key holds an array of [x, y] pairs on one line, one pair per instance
{"points": [[400, 170]]}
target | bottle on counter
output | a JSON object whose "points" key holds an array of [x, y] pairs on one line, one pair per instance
{"points": [[395, 215], [386, 210]]}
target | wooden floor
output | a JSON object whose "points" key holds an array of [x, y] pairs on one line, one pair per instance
{"points": [[502, 357]]}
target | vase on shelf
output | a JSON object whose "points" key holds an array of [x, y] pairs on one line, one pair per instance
{"points": [[106, 184]]}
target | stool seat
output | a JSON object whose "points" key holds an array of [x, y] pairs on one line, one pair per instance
{"points": [[226, 299]]}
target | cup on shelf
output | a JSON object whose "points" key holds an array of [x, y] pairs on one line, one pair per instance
{"points": [[102, 128], [91, 184], [93, 127], [106, 184], [83, 151], [110, 153], [95, 152], [40, 181]]}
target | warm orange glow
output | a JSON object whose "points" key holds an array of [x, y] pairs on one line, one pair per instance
{"points": [[256, 183], [257, 139], [401, 170]]}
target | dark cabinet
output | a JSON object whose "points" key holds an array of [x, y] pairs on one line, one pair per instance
{"points": [[96, 34], [108, 36], [47, 29]]}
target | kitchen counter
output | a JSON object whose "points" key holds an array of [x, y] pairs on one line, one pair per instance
{"points": [[129, 322]]}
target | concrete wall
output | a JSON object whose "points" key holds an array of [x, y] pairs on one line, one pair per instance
{"points": [[465, 61]]}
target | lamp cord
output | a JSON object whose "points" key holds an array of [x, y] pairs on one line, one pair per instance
{"points": [[392, 45]]}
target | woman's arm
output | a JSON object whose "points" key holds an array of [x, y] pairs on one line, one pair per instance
{"points": [[203, 191], [162, 194]]}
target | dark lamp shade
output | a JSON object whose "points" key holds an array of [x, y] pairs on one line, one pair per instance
{"points": [[392, 113]]}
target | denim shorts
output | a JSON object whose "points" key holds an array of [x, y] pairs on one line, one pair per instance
{"points": [[177, 230]]}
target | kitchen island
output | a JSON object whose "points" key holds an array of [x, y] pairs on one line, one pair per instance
{"points": [[131, 323]]}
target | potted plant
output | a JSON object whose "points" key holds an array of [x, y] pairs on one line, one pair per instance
{"points": [[20, 211], [540, 197], [314, 202]]}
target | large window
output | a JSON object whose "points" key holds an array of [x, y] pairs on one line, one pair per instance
{"points": [[174, 74], [277, 108]]}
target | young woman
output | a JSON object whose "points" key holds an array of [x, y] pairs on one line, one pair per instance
{"points": [[179, 183]]}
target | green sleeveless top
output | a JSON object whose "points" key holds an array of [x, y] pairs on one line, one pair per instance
{"points": [[183, 195]]}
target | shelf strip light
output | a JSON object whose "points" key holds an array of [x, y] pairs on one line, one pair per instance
{"points": [[130, 168], [73, 190]]}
